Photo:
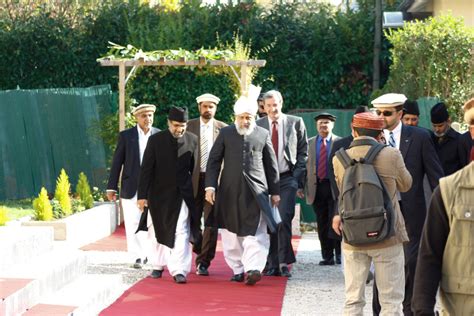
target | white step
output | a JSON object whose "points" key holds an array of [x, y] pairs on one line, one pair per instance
{"points": [[19, 244], [48, 273], [90, 293]]}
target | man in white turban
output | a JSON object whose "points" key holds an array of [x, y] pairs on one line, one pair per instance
{"points": [[249, 176]]}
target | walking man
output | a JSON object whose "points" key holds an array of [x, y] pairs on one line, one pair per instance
{"points": [[249, 176], [290, 143], [318, 187], [127, 159], [165, 186], [206, 128]]}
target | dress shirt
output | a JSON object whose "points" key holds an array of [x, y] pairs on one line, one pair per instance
{"points": [[397, 134], [142, 141], [328, 146], [282, 163], [206, 130]]}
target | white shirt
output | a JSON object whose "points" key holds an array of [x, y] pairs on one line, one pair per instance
{"points": [[142, 141], [397, 134], [207, 130], [282, 164]]}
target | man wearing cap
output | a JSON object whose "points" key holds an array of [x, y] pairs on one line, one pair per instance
{"points": [[387, 255], [411, 113], [127, 159], [318, 188], [445, 138], [165, 186], [249, 176], [290, 143], [206, 128], [420, 158]]}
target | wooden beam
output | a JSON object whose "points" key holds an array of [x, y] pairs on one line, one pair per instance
{"points": [[121, 96], [243, 80], [181, 62]]}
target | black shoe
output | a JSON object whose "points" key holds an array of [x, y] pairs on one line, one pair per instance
{"points": [[138, 264], [338, 259], [326, 262], [145, 261], [155, 274], [285, 272], [370, 277], [202, 270], [253, 276], [238, 277], [273, 272], [179, 278]]}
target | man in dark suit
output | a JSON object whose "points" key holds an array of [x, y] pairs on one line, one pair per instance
{"points": [[127, 160], [290, 143], [420, 158], [165, 186], [249, 176], [206, 128], [445, 138], [318, 188], [411, 113]]}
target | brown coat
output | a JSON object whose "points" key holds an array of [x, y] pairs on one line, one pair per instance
{"points": [[194, 126], [390, 166]]}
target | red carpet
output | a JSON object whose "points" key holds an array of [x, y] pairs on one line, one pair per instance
{"points": [[212, 295], [115, 242]]}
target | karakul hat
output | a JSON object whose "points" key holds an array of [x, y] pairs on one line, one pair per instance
{"points": [[411, 107], [368, 120], [208, 97], [439, 113], [389, 100], [143, 108], [178, 114]]}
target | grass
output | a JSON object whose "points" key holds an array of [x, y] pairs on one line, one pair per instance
{"points": [[18, 208]]}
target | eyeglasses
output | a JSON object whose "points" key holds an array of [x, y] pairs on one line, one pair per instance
{"points": [[385, 113]]}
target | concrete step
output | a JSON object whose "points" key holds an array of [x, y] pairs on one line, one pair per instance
{"points": [[89, 294], [42, 275], [19, 244]]}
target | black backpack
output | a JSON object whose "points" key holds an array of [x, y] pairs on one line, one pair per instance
{"points": [[365, 207]]}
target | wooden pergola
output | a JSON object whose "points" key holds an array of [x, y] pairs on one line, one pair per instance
{"points": [[125, 64]]}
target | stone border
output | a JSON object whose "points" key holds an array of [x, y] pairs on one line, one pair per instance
{"points": [[84, 227]]}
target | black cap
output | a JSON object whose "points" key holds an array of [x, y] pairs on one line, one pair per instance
{"points": [[178, 114], [439, 113], [361, 109], [411, 107], [325, 115]]}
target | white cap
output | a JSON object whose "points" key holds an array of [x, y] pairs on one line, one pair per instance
{"points": [[207, 97], [143, 108], [389, 100], [248, 104]]}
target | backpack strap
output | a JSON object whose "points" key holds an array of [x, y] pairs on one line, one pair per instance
{"points": [[344, 158], [373, 152]]}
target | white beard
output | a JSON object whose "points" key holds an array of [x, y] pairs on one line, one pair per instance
{"points": [[246, 131]]}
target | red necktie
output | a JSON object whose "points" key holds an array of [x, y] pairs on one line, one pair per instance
{"points": [[275, 137], [322, 162]]}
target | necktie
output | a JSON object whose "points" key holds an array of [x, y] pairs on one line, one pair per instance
{"points": [[204, 149], [322, 161], [275, 137], [391, 141], [471, 156]]}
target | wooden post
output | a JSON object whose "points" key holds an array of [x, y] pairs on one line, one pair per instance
{"points": [[121, 96], [243, 79]]}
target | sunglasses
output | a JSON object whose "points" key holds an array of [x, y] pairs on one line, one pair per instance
{"points": [[385, 113]]}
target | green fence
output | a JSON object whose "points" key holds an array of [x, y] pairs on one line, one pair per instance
{"points": [[42, 131]]}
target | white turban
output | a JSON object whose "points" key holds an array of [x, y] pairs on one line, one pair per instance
{"points": [[248, 104]]}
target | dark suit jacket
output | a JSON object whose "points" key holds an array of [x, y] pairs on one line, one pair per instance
{"points": [[249, 175], [127, 155], [296, 145], [420, 158], [194, 126], [448, 152]]}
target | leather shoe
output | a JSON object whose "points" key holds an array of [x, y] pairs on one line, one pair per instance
{"points": [[138, 264], [179, 278], [326, 262], [238, 277], [370, 277], [253, 276], [338, 259], [202, 270], [155, 274], [273, 272], [285, 272]]}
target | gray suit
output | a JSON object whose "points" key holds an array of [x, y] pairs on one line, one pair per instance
{"points": [[295, 152], [249, 175]]}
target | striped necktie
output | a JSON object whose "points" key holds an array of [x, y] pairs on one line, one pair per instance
{"points": [[322, 161], [204, 147], [391, 141]]}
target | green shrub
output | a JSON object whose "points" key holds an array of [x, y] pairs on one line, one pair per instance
{"points": [[63, 188], [42, 206], [3, 215], [83, 190], [433, 58]]}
